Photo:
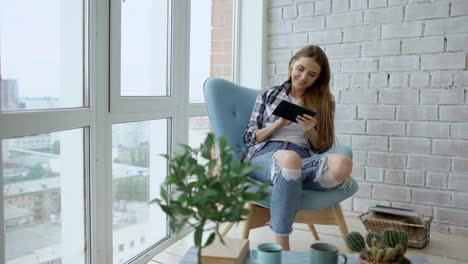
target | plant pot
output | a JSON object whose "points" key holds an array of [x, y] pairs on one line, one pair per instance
{"points": [[363, 261]]}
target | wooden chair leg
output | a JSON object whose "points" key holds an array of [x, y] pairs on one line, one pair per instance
{"points": [[226, 229], [248, 221], [341, 224], [314, 231], [258, 217]]}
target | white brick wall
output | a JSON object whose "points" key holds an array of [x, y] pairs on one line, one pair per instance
{"points": [[383, 15], [358, 4], [423, 11], [389, 128], [337, 21], [437, 180], [423, 45], [381, 48], [394, 177], [460, 165], [400, 78], [429, 163], [402, 30], [374, 174], [419, 79], [323, 7], [361, 33], [399, 96], [399, 63]]}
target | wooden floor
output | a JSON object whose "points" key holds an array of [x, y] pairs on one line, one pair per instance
{"points": [[443, 248]]}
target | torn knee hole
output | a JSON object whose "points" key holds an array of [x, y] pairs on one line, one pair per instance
{"points": [[291, 174], [324, 176], [288, 174]]}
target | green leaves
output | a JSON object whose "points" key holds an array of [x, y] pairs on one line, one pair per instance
{"points": [[208, 190], [210, 240], [197, 238]]}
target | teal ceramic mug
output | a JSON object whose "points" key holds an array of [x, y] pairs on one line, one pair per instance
{"points": [[323, 253], [268, 253]]}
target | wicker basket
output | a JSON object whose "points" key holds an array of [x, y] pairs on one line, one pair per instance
{"points": [[418, 234]]}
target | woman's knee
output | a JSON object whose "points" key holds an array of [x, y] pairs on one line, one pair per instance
{"points": [[288, 159], [346, 151], [289, 163], [340, 166]]}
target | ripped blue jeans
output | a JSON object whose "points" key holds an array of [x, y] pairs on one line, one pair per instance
{"points": [[286, 193]]}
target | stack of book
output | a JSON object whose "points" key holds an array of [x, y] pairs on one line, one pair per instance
{"points": [[233, 251], [395, 214]]}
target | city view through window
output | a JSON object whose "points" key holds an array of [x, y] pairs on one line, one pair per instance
{"points": [[210, 44], [138, 169], [43, 198], [41, 54], [42, 67]]}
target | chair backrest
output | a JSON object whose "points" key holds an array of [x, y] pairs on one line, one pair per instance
{"points": [[229, 109]]}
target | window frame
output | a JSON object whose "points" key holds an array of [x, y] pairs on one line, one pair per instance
{"points": [[38, 121], [250, 44], [174, 107], [103, 107]]}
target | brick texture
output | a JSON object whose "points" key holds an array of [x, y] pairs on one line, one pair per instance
{"points": [[400, 78], [221, 39]]}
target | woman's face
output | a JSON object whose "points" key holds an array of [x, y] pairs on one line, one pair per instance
{"points": [[305, 71]]}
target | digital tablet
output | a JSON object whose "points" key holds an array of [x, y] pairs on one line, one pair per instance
{"points": [[290, 111]]}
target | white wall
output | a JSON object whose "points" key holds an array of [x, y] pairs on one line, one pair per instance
{"points": [[400, 79]]}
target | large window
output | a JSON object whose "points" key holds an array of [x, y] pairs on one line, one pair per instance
{"points": [[43, 198], [198, 129], [91, 92], [144, 48], [211, 45], [41, 54], [45, 150], [138, 169]]}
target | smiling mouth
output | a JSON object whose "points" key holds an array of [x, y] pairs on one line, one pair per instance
{"points": [[300, 83]]}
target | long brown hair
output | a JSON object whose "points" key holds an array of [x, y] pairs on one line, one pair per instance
{"points": [[318, 96]]}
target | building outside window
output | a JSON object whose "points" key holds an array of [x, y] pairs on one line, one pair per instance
{"points": [[80, 151]]}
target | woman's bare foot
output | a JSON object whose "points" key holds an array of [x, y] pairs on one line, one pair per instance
{"points": [[283, 241]]}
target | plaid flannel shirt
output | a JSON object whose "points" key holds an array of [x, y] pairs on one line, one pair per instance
{"points": [[262, 116]]}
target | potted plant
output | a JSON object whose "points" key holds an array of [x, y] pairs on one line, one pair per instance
{"points": [[387, 247], [212, 189]]}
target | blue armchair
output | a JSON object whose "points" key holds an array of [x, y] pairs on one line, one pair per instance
{"points": [[229, 109]]}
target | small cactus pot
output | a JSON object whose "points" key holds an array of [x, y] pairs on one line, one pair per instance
{"points": [[363, 261]]}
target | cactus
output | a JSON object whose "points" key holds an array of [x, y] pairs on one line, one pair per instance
{"points": [[355, 241], [390, 237], [387, 247], [374, 242], [390, 254], [399, 250], [403, 240], [372, 235], [375, 251], [380, 255]]}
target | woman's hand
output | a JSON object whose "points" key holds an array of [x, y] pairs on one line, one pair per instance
{"points": [[283, 122], [307, 122], [266, 132]]}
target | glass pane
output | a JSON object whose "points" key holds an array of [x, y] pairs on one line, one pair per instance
{"points": [[210, 44], [41, 54], [137, 173], [44, 213], [144, 47], [198, 129]]}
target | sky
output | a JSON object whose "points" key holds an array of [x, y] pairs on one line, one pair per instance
{"points": [[30, 46]]}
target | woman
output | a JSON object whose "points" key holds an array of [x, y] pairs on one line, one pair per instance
{"points": [[300, 155]]}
